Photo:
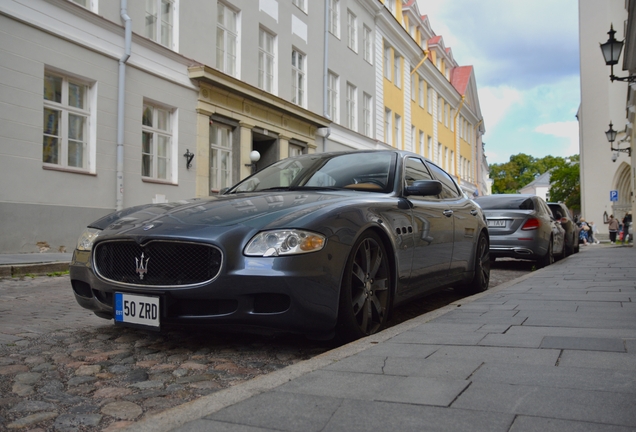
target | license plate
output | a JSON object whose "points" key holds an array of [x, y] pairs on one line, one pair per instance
{"points": [[137, 309], [496, 223]]}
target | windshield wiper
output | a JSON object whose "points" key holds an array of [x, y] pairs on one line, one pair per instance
{"points": [[317, 188]]}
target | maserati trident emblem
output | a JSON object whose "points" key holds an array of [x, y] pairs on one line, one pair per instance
{"points": [[142, 266]]}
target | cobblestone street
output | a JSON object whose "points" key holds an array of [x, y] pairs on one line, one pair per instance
{"points": [[62, 368]]}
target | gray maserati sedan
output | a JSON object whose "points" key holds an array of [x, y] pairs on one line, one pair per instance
{"points": [[321, 244]]}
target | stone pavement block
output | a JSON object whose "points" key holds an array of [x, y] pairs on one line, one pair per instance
{"points": [[434, 338], [582, 405], [203, 425], [557, 377], [583, 343], [362, 364], [630, 345], [506, 340], [599, 360], [570, 331], [566, 319], [538, 424], [498, 354], [435, 327], [529, 305], [363, 416], [281, 411], [400, 350], [459, 369], [476, 318], [413, 390]]}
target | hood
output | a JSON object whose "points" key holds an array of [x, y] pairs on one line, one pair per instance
{"points": [[258, 210]]}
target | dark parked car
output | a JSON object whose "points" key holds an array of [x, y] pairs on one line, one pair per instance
{"points": [[322, 244], [562, 215], [522, 226]]}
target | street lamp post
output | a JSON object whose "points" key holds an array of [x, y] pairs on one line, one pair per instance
{"points": [[611, 137], [612, 53]]}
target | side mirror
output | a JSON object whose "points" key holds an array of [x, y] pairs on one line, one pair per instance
{"points": [[424, 188], [222, 191]]}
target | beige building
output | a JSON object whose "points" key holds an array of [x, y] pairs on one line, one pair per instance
{"points": [[607, 176]]}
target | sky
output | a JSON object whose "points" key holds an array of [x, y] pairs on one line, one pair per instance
{"points": [[525, 56]]}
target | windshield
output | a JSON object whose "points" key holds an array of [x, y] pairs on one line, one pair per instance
{"points": [[368, 171], [503, 202]]}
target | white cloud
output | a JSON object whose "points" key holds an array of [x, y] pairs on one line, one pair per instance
{"points": [[495, 102], [568, 130]]}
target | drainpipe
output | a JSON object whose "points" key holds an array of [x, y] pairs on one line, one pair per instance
{"points": [[121, 103], [455, 140], [326, 63]]}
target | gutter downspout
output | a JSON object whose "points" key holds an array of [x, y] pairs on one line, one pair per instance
{"points": [[121, 103]]}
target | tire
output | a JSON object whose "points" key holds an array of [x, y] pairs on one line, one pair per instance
{"points": [[548, 258], [365, 292], [481, 277]]}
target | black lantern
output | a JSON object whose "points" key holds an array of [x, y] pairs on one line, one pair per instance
{"points": [[612, 53], [611, 134]]}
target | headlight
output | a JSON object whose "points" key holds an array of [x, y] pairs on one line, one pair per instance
{"points": [[85, 241], [284, 242]]}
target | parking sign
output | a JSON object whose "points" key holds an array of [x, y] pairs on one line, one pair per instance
{"points": [[613, 195]]}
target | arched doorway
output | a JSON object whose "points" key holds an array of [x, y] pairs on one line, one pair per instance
{"points": [[623, 185]]}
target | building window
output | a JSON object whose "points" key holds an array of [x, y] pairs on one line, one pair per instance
{"points": [[226, 39], [421, 149], [396, 71], [367, 112], [367, 39], [156, 142], [429, 99], [438, 156], [390, 4], [300, 4], [398, 132], [351, 107], [88, 4], [334, 17], [352, 35], [429, 147], [388, 122], [298, 78], [421, 93], [440, 110], [446, 158], [332, 96], [266, 60], [387, 62], [67, 140], [160, 19], [220, 157], [413, 86], [452, 162], [446, 114], [295, 150], [413, 138]]}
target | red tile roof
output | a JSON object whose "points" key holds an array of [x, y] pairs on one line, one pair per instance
{"points": [[460, 78]]}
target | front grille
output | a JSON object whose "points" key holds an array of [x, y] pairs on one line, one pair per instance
{"points": [[157, 263]]}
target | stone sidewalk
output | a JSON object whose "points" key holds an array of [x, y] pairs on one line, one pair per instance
{"points": [[552, 351]]}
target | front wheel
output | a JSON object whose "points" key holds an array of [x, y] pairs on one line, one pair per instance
{"points": [[365, 292], [481, 277]]}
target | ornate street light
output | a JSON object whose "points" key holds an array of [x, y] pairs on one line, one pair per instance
{"points": [[612, 53], [611, 137]]}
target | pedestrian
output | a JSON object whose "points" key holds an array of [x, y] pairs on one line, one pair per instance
{"points": [[627, 221], [584, 232], [613, 228], [593, 233]]}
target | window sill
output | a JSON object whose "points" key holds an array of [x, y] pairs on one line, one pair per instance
{"points": [[52, 167], [158, 181]]}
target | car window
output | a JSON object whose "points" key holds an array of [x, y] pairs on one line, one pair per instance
{"points": [[449, 187], [505, 202], [414, 170]]}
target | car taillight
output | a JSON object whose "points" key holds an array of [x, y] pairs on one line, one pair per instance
{"points": [[531, 224], [563, 220]]}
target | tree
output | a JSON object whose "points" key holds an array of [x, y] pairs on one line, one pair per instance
{"points": [[565, 185], [520, 170]]}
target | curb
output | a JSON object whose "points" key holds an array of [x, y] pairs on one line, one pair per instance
{"points": [[42, 269]]}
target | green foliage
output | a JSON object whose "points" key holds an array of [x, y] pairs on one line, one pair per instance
{"points": [[522, 169], [565, 184]]}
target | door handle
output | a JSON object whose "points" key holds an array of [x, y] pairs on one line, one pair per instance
{"points": [[447, 213], [474, 212]]}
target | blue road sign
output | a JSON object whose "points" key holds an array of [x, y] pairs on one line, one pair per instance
{"points": [[613, 195]]}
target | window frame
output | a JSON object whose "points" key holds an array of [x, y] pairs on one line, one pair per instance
{"points": [[266, 77], [388, 126], [387, 62], [398, 131], [334, 18], [396, 70], [215, 150], [156, 34], [170, 133], [88, 112], [234, 70], [332, 96], [352, 31], [299, 91], [367, 114], [367, 41], [352, 106]]}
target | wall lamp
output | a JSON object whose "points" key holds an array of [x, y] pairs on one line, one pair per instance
{"points": [[254, 157], [611, 137], [189, 156], [611, 53]]}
